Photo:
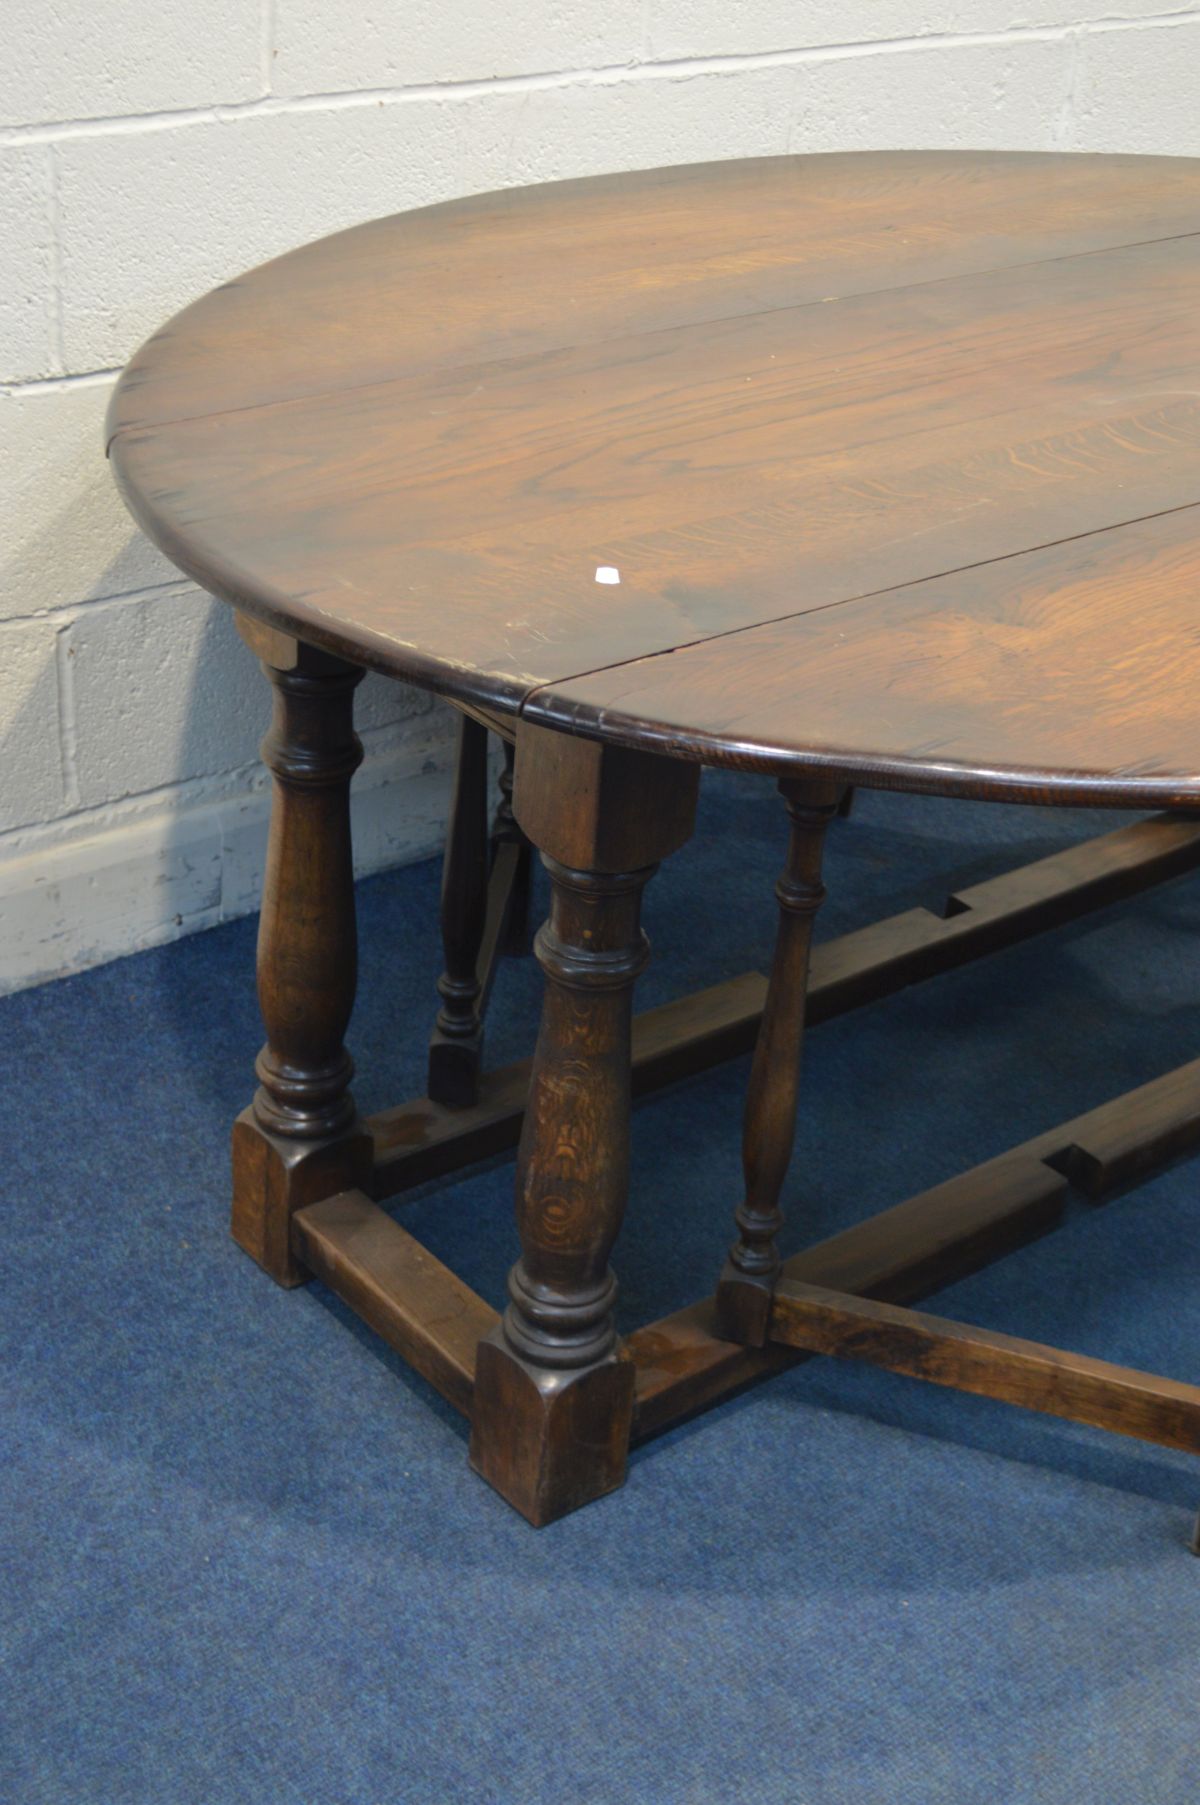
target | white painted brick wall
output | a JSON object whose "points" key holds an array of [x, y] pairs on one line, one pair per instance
{"points": [[360, 44], [32, 785], [28, 275], [150, 149], [88, 59], [64, 533]]}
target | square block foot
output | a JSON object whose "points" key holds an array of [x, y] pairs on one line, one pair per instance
{"points": [[549, 1441], [743, 1307], [273, 1177], [454, 1068]]}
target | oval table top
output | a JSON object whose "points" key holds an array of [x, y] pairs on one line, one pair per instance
{"points": [[886, 465]]}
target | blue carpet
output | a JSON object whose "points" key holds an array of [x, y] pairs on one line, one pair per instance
{"points": [[244, 1560]]}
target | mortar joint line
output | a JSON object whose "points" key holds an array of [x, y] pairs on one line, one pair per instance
{"points": [[611, 74]]}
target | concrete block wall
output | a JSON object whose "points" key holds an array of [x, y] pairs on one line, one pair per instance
{"points": [[149, 150]]}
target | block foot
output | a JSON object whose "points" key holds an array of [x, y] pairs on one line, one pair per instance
{"points": [[549, 1440], [743, 1306], [274, 1176]]}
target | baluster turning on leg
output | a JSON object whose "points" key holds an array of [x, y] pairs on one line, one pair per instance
{"points": [[456, 1045], [553, 1397], [769, 1123], [505, 830], [301, 1139]]}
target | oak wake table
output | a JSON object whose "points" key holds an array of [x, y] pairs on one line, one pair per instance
{"points": [[856, 470]]}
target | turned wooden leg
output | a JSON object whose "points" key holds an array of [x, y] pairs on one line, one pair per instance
{"points": [[456, 1046], [769, 1123], [504, 829], [301, 1139], [553, 1395]]}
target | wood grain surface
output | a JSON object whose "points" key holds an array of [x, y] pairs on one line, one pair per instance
{"points": [[978, 1360], [897, 458], [1082, 654]]}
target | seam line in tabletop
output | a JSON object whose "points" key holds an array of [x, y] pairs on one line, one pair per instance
{"points": [[488, 363], [845, 601]]}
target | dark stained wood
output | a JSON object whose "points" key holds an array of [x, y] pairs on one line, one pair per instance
{"points": [[507, 902], [875, 961], [274, 650], [418, 1141], [781, 465], [683, 1363], [879, 469], [302, 1135], [527, 270], [902, 1254], [1119, 1144], [421, 1140], [553, 1395], [307, 939], [508, 882], [957, 1354], [506, 836], [769, 1119], [274, 1176], [817, 460], [696, 1032], [456, 1046], [1057, 674], [600, 808], [397, 1286]]}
